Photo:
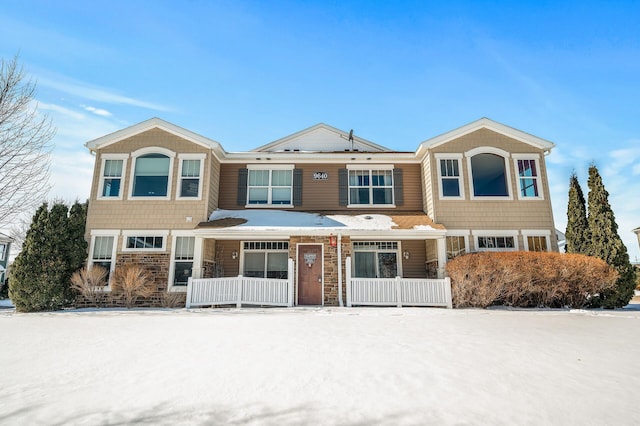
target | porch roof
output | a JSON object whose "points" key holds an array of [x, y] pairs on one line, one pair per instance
{"points": [[265, 223]]}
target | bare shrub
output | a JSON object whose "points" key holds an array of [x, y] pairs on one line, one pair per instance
{"points": [[130, 282], [173, 300], [528, 279], [90, 282]]}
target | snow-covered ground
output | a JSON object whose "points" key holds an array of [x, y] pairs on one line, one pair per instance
{"points": [[343, 366]]}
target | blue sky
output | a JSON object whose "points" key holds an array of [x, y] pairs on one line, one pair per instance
{"points": [[246, 73]]}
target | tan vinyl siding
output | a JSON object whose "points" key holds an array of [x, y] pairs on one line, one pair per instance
{"points": [[319, 195], [214, 185], [492, 214], [224, 249], [143, 213], [428, 188], [414, 266]]}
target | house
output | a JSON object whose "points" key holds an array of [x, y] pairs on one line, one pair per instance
{"points": [[5, 246], [318, 217], [637, 232]]}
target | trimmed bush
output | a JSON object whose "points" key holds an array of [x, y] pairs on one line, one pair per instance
{"points": [[528, 279]]}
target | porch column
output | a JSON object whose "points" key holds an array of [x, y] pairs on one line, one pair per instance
{"points": [[441, 244], [196, 271]]}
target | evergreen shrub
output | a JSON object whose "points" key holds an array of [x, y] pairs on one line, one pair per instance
{"points": [[528, 279]]}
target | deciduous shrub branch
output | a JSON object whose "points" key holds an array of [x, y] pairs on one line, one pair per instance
{"points": [[528, 279]]}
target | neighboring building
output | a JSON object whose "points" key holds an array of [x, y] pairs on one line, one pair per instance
{"points": [[637, 232], [182, 206], [5, 246]]}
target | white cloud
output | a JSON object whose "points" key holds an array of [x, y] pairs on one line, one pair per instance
{"points": [[97, 111], [60, 110]]}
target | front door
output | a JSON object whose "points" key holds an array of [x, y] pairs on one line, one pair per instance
{"points": [[310, 274]]}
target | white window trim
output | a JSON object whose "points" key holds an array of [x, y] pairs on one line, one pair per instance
{"points": [[536, 233], [538, 178], [270, 168], [265, 251], [398, 251], [495, 233], [103, 158], [507, 169], [144, 233], [369, 168], [4, 250], [115, 233], [151, 150], [183, 157], [458, 158], [197, 259]]}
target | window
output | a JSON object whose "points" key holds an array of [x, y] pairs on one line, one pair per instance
{"points": [[266, 259], [145, 242], [269, 187], [183, 260], [489, 176], [3, 251], [450, 175], [536, 243], [103, 253], [375, 259], [456, 245], [151, 176], [190, 175], [371, 187], [496, 243], [528, 176], [111, 176]]}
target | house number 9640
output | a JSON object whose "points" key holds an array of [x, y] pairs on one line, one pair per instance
{"points": [[320, 175]]}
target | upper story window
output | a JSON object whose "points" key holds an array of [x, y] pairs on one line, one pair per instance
{"points": [[371, 187], [450, 176], [111, 175], [489, 172], [528, 176], [277, 185], [190, 176], [151, 172]]}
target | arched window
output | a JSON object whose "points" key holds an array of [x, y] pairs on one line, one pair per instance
{"points": [[151, 176], [489, 175]]}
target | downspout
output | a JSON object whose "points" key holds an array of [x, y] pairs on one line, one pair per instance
{"points": [[340, 270]]}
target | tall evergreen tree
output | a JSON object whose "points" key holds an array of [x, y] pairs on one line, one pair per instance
{"points": [[51, 252], [577, 233], [607, 244]]}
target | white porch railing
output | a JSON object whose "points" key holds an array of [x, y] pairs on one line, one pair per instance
{"points": [[397, 291], [241, 290]]}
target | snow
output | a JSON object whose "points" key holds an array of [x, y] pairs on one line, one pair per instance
{"points": [[320, 366]]}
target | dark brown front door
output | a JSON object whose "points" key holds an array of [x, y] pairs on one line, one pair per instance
{"points": [[310, 274]]}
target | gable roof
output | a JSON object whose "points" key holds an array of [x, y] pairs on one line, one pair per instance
{"points": [[153, 123], [321, 138], [485, 123]]}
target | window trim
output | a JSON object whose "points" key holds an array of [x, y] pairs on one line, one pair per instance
{"points": [[197, 260], [536, 233], [3, 251], [151, 150], [507, 170], [144, 233], [458, 158], [495, 233], [103, 158], [115, 234], [398, 251], [370, 168], [270, 168], [265, 251], [458, 233], [182, 158], [536, 158]]}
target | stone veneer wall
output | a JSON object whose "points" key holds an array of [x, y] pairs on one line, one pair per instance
{"points": [[331, 264]]}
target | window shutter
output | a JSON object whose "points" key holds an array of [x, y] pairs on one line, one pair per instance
{"points": [[397, 187], [343, 187], [297, 187], [242, 186]]}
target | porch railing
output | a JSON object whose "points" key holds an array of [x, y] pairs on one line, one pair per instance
{"points": [[397, 291], [241, 290]]}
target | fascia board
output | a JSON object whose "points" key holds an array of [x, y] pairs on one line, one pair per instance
{"points": [[315, 157], [253, 233]]}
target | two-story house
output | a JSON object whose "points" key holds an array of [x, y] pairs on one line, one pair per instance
{"points": [[317, 210]]}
